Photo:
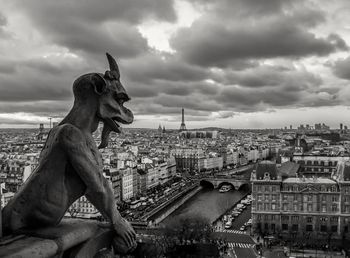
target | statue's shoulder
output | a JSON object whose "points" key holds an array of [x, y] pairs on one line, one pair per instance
{"points": [[68, 134]]}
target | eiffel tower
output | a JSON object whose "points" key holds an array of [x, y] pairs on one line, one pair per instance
{"points": [[183, 126]]}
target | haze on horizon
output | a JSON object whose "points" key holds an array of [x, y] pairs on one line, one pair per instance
{"points": [[230, 64]]}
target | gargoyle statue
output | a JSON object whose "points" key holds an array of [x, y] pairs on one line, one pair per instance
{"points": [[70, 164]]}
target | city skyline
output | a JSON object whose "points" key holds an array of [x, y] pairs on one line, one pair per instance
{"points": [[230, 64]]}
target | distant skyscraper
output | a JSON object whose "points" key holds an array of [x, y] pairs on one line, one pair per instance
{"points": [[291, 127], [341, 126], [183, 126], [41, 128]]}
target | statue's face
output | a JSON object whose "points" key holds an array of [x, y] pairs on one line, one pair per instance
{"points": [[111, 109]]}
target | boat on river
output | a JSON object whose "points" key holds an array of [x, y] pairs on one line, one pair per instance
{"points": [[225, 188]]}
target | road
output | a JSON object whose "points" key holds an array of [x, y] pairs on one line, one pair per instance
{"points": [[235, 171], [240, 242], [238, 221]]}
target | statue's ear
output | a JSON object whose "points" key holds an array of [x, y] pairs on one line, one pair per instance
{"points": [[99, 84]]}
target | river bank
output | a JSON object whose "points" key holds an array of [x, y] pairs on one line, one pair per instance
{"points": [[207, 203], [229, 209]]}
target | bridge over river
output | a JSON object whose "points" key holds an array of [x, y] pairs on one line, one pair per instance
{"points": [[237, 182]]}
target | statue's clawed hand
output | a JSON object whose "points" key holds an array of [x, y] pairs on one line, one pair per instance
{"points": [[125, 231]]}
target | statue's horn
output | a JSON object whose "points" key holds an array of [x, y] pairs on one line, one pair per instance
{"points": [[113, 66]]}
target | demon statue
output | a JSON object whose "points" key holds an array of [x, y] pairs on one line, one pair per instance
{"points": [[70, 164]]}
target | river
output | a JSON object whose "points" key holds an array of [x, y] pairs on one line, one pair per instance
{"points": [[208, 203]]}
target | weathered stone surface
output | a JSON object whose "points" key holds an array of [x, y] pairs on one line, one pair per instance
{"points": [[69, 233], [32, 247], [73, 237]]}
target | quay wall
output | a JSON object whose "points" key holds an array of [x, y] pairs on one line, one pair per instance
{"points": [[161, 214]]}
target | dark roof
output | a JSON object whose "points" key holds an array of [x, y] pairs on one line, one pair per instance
{"points": [[266, 167], [289, 169], [141, 171], [346, 173]]}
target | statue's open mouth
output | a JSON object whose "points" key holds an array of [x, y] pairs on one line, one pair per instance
{"points": [[126, 118], [111, 124]]}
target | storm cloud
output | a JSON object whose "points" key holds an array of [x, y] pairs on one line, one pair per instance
{"points": [[235, 57]]}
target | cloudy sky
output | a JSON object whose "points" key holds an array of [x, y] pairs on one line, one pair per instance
{"points": [[229, 63]]}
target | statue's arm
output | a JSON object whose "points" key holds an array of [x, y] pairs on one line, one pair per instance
{"points": [[98, 190]]}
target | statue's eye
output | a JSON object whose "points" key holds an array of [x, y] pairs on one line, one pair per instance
{"points": [[121, 97]]}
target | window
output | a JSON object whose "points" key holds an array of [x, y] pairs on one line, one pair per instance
{"points": [[285, 218], [285, 206], [273, 188], [295, 218], [259, 206], [324, 208], [274, 197], [284, 226], [258, 226], [309, 207], [309, 228], [295, 197], [266, 206], [323, 228], [285, 198], [334, 219], [295, 227], [273, 206], [267, 197], [273, 227], [266, 226], [295, 207], [309, 219], [334, 207], [334, 198], [259, 197], [347, 208]]}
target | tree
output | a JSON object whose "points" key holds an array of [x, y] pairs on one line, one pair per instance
{"points": [[195, 228], [189, 233], [183, 237]]}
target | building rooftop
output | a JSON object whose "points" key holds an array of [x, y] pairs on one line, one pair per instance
{"points": [[289, 169], [266, 167], [309, 180]]}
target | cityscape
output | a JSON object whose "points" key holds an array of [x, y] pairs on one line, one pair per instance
{"points": [[263, 192], [174, 128]]}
